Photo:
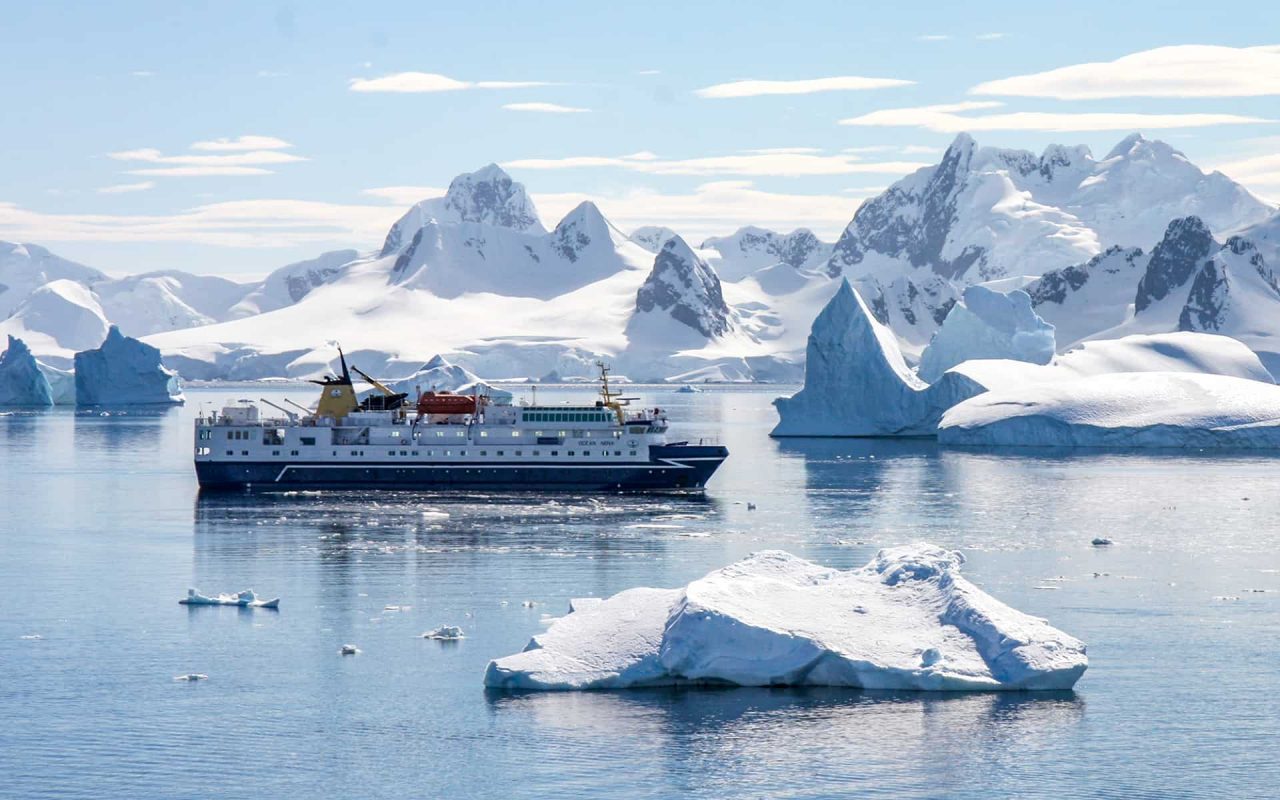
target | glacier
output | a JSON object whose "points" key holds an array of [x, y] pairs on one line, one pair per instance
{"points": [[988, 324], [1150, 409], [908, 620], [124, 371], [22, 383]]}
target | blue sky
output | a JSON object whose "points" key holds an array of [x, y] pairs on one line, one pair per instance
{"points": [[124, 123]]}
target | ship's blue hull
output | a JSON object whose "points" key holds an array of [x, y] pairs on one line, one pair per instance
{"points": [[671, 467]]}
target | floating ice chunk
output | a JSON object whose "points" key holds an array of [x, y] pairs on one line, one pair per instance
{"points": [[907, 620], [1152, 409], [349, 650], [22, 383], [988, 324], [528, 604], [688, 389], [446, 633], [31, 637], [192, 677], [1101, 541], [245, 599], [857, 383], [124, 371]]}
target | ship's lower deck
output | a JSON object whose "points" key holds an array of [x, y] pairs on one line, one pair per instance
{"points": [[670, 467]]}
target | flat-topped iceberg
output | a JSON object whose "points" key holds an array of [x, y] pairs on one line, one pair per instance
{"points": [[1148, 409], [857, 383], [988, 324], [245, 599], [908, 620], [22, 383], [124, 371]]}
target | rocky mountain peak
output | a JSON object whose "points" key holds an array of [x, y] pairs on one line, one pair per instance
{"points": [[1187, 242], [580, 229], [685, 287], [490, 196]]}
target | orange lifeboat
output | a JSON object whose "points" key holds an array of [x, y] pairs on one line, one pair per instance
{"points": [[446, 403]]}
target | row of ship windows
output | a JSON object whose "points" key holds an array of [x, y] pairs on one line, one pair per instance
{"points": [[270, 436], [559, 416], [204, 451]]}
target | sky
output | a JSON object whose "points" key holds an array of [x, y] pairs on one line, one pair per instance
{"points": [[232, 138]]}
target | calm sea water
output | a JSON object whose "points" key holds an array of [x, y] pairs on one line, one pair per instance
{"points": [[102, 530]]}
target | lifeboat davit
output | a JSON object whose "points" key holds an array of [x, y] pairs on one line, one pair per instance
{"points": [[446, 403]]}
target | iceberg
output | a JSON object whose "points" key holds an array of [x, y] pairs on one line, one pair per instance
{"points": [[22, 383], [1127, 409], [988, 324], [908, 620], [245, 599], [445, 633], [124, 371], [857, 383]]}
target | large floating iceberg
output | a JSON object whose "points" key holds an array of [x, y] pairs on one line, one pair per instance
{"points": [[124, 371], [988, 324], [21, 381], [908, 620], [1149, 409], [857, 383]]}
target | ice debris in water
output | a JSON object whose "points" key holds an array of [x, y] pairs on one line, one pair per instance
{"points": [[445, 633], [245, 599], [908, 620], [31, 637], [192, 677], [349, 650], [1101, 541]]}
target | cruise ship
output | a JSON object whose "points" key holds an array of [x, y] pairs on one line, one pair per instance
{"points": [[443, 440]]}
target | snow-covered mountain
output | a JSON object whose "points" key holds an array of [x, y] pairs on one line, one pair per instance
{"points": [[1188, 282], [749, 249], [475, 275], [984, 213]]}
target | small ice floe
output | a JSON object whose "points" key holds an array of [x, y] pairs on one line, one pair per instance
{"points": [[192, 677], [774, 619], [445, 633], [688, 389], [1101, 541], [31, 637], [435, 514], [396, 608], [528, 604], [349, 650], [245, 599], [1225, 597], [1044, 588]]}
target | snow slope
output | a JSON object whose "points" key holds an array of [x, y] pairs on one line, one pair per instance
{"points": [[908, 620], [750, 249], [26, 267], [1153, 409]]}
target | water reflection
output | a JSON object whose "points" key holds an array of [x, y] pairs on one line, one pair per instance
{"points": [[756, 737]]}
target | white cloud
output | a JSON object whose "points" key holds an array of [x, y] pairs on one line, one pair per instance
{"points": [[198, 172], [241, 143], [933, 37], [243, 223], [403, 195], [1177, 71], [951, 118], [990, 37], [125, 188], [230, 164], [545, 108], [769, 151], [649, 72], [756, 88], [712, 208], [782, 163], [1259, 173], [417, 82]]}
